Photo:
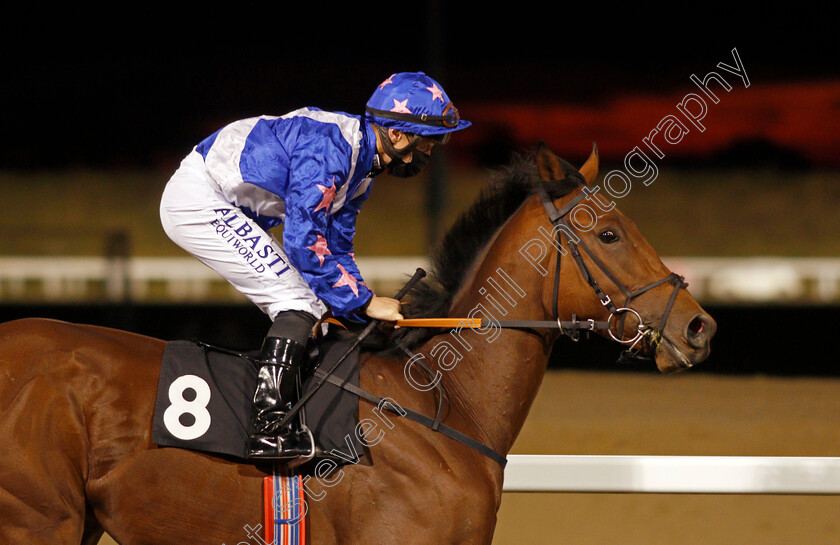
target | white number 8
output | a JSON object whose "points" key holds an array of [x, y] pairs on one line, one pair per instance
{"points": [[197, 407]]}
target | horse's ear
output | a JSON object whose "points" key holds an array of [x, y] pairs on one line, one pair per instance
{"points": [[548, 164], [590, 167]]}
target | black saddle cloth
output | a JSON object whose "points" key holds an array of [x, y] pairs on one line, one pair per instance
{"points": [[204, 399]]}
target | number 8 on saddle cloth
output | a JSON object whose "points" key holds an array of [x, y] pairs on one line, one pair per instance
{"points": [[204, 400]]}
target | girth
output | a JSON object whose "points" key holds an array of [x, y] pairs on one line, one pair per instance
{"points": [[434, 424]]}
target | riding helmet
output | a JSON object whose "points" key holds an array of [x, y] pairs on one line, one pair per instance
{"points": [[413, 102]]}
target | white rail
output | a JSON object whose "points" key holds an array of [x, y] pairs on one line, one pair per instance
{"points": [[67, 278], [673, 474], [168, 279]]}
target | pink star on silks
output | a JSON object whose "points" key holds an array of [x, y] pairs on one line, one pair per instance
{"points": [[386, 82], [320, 248], [400, 107], [329, 195], [347, 280], [436, 92]]}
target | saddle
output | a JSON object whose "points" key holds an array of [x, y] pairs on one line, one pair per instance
{"points": [[204, 400]]}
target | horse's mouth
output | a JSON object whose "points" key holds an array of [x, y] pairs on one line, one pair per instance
{"points": [[670, 359], [670, 355]]}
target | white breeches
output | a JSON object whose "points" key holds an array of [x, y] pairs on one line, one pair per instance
{"points": [[198, 218]]}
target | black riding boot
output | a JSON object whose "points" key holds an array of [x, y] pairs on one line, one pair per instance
{"points": [[280, 364]]}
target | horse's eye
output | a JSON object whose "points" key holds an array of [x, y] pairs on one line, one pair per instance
{"points": [[608, 236]]}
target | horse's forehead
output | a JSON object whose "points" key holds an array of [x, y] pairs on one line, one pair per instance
{"points": [[586, 216], [533, 213]]}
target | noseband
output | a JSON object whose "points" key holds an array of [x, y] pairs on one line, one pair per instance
{"points": [[617, 314]]}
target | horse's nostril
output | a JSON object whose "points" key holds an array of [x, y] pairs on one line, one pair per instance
{"points": [[697, 326]]}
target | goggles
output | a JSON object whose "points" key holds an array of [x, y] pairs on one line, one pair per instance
{"points": [[449, 119]]}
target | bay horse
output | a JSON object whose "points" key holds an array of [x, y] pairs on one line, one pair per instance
{"points": [[77, 400]]}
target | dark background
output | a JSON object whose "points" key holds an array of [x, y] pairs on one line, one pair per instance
{"points": [[89, 86]]}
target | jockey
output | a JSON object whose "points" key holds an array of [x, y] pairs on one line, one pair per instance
{"points": [[311, 171]]}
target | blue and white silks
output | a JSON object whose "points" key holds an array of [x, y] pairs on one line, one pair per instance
{"points": [[308, 170]]}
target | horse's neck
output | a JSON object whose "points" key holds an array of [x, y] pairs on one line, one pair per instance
{"points": [[495, 383]]}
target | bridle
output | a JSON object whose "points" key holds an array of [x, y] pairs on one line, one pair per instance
{"points": [[573, 328], [617, 314]]}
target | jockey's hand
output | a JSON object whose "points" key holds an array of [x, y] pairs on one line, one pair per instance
{"points": [[384, 308]]}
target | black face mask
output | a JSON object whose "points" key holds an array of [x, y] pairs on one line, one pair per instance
{"points": [[401, 169]]}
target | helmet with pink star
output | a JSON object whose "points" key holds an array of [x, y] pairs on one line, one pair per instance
{"points": [[414, 103]]}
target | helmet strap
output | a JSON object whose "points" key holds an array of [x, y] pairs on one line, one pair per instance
{"points": [[388, 146]]}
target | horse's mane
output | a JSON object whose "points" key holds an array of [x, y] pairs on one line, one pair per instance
{"points": [[507, 188]]}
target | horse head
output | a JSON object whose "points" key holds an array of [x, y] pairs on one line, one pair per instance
{"points": [[603, 254]]}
